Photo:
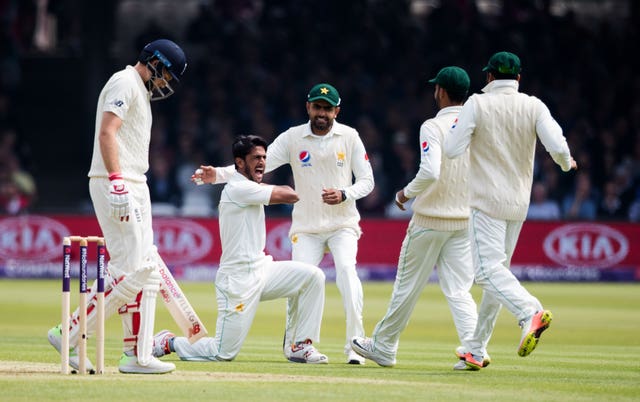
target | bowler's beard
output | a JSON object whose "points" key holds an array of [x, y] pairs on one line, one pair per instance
{"points": [[321, 124], [248, 175]]}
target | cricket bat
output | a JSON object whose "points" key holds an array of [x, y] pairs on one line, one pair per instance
{"points": [[179, 307]]}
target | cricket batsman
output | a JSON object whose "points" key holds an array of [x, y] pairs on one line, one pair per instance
{"points": [[120, 196]]}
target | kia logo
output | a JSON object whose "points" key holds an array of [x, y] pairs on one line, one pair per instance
{"points": [[31, 238], [278, 243], [584, 245], [181, 241]]}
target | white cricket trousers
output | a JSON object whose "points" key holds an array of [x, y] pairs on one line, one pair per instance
{"points": [[129, 243], [493, 242], [239, 291], [422, 248], [343, 245], [131, 248]]}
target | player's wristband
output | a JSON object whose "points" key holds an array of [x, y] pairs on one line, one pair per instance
{"points": [[344, 195]]}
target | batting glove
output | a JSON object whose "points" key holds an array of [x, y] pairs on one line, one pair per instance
{"points": [[119, 198]]}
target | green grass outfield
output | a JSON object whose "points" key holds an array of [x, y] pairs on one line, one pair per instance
{"points": [[590, 353]]}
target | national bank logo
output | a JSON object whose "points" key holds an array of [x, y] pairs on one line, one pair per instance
{"points": [[586, 245]]}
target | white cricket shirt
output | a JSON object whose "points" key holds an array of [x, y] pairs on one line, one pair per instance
{"points": [[241, 218], [318, 162], [126, 96]]}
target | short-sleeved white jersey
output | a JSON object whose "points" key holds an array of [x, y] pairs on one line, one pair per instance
{"points": [[241, 218], [126, 96]]}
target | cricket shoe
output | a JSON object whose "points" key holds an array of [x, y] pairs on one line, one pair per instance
{"points": [[161, 343], [304, 352], [532, 328], [354, 358], [473, 362], [364, 347], [461, 352], [55, 339], [129, 365]]}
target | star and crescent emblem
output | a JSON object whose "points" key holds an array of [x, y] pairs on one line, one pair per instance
{"points": [[324, 90]]}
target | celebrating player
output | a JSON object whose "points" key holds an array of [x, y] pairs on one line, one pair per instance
{"points": [[247, 276], [437, 233], [324, 155], [121, 201], [500, 127]]}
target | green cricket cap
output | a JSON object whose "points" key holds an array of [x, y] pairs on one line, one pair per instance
{"points": [[326, 92], [453, 79], [503, 63]]}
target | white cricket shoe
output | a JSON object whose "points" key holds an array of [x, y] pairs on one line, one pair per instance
{"points": [[55, 339], [304, 352], [354, 358], [129, 365], [161, 343], [365, 348]]}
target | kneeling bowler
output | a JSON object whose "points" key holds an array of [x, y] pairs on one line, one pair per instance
{"points": [[247, 275]]}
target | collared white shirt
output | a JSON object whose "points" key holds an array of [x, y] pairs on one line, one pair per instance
{"points": [[320, 162], [241, 219]]}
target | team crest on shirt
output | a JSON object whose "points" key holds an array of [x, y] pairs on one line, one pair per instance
{"points": [[340, 157], [425, 147], [305, 158]]}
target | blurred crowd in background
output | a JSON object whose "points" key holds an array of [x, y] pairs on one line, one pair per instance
{"points": [[251, 64]]}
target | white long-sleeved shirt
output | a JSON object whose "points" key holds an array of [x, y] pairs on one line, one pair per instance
{"points": [[500, 127], [440, 186], [319, 162], [126, 96]]}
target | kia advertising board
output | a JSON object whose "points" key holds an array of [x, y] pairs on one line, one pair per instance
{"points": [[31, 247], [578, 251]]}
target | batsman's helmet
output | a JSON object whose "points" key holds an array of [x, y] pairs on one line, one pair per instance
{"points": [[171, 57]]}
